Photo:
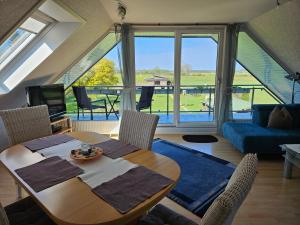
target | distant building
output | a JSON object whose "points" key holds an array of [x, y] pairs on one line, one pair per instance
{"points": [[158, 81]]}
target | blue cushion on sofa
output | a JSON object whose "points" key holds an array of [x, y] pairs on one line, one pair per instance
{"points": [[250, 137]]}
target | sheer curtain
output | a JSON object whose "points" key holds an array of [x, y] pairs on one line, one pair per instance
{"points": [[230, 53], [128, 71]]}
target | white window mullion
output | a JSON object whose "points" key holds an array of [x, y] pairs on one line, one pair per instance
{"points": [[177, 69]]}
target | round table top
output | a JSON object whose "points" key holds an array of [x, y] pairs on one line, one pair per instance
{"points": [[72, 202]]}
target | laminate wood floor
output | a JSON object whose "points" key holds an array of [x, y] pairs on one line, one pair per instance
{"points": [[273, 199]]}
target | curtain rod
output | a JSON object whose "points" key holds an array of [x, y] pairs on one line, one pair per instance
{"points": [[179, 24]]}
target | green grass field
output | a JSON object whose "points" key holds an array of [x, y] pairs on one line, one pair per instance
{"points": [[190, 102]]}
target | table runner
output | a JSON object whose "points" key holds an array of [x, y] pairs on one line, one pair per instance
{"points": [[95, 171], [115, 148], [46, 142], [103, 170], [48, 172], [132, 188], [62, 150]]}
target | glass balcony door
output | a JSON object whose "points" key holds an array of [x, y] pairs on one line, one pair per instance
{"points": [[154, 74], [197, 70]]}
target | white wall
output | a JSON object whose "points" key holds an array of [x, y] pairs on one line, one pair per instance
{"points": [[279, 30]]}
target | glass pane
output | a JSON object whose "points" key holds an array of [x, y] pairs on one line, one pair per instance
{"points": [[198, 75], [13, 45], [92, 57], [102, 82], [247, 90], [154, 68], [263, 67]]}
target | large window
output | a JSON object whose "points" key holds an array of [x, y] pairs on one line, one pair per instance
{"points": [[258, 79], [87, 61], [176, 75], [261, 65], [99, 72]]}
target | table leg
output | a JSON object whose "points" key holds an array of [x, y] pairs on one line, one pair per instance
{"points": [[112, 106], [288, 168]]}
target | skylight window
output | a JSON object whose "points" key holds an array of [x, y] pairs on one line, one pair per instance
{"points": [[19, 40], [34, 41]]}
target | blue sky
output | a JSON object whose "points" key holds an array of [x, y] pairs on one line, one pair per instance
{"points": [[150, 53]]}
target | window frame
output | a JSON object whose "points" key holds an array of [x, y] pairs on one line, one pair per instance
{"points": [[40, 17]]}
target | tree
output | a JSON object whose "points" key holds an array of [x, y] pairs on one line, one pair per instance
{"points": [[186, 69], [102, 73]]}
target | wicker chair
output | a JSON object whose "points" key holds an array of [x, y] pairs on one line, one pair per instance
{"points": [[25, 124], [223, 209], [24, 212], [138, 129]]}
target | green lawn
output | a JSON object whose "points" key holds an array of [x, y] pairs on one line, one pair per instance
{"points": [[194, 78], [190, 102]]}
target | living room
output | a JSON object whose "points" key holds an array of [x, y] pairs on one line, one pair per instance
{"points": [[218, 83]]}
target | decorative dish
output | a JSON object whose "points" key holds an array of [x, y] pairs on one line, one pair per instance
{"points": [[92, 153]]}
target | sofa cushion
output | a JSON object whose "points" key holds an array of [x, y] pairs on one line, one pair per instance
{"points": [[249, 137], [262, 112], [280, 119]]}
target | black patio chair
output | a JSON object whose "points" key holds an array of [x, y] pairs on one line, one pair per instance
{"points": [[145, 101], [84, 102]]}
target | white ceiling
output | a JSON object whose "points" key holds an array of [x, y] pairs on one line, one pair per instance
{"points": [[189, 11]]}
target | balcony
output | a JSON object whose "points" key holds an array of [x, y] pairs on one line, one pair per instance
{"points": [[196, 102]]}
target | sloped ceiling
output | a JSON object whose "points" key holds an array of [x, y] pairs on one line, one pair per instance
{"points": [[189, 11]]}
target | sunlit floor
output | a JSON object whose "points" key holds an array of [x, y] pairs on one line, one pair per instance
{"points": [[164, 118]]}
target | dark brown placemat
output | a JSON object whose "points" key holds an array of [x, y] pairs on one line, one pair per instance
{"points": [[132, 188], [115, 148], [46, 142], [48, 172]]}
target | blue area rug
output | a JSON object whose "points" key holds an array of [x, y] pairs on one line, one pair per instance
{"points": [[203, 177]]}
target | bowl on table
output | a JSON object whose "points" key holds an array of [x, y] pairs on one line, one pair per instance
{"points": [[85, 155]]}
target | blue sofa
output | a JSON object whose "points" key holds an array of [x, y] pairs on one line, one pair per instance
{"points": [[256, 137]]}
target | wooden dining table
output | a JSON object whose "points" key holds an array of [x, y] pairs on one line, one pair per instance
{"points": [[72, 201]]}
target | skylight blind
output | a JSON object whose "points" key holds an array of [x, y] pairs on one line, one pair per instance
{"points": [[92, 57], [263, 67]]}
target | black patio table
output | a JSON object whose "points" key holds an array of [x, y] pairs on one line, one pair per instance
{"points": [[112, 103]]}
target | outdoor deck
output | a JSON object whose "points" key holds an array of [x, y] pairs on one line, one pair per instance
{"points": [[163, 117], [196, 102]]}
